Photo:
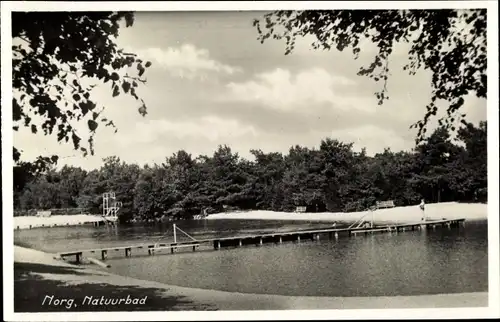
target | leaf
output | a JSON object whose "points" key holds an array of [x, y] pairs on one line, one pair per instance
{"points": [[142, 110], [33, 128], [76, 97], [75, 83], [148, 64], [84, 107], [76, 140], [90, 105], [126, 86], [92, 125], [116, 91], [140, 69]]}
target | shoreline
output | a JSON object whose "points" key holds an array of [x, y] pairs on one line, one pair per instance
{"points": [[407, 214], [32, 222], [448, 210], [40, 274]]}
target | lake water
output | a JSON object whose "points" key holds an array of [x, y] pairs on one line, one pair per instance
{"points": [[409, 263]]}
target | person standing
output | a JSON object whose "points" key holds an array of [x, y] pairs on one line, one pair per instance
{"points": [[422, 207]]}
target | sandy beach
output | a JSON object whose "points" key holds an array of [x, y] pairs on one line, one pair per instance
{"points": [[448, 210], [408, 214], [38, 274], [24, 222]]}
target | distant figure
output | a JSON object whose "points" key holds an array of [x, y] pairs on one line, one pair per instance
{"points": [[422, 207]]}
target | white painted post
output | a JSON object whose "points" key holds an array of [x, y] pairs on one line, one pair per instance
{"points": [[175, 236]]}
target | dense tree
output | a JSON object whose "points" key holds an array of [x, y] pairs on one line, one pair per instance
{"points": [[450, 43], [332, 177]]}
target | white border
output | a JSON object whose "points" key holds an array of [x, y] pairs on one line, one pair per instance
{"points": [[493, 158]]}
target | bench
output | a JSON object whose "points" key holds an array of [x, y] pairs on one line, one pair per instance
{"points": [[301, 209], [385, 204]]}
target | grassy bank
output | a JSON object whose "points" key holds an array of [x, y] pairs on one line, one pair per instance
{"points": [[37, 275], [448, 210]]}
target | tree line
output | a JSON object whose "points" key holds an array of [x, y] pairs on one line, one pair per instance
{"points": [[332, 177]]}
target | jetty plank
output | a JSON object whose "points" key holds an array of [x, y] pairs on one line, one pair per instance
{"points": [[259, 239]]}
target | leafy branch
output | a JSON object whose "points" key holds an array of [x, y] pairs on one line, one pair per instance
{"points": [[60, 44], [449, 43]]}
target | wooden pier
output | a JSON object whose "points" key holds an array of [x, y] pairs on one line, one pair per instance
{"points": [[260, 239]]}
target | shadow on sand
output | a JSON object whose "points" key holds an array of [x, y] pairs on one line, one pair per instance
{"points": [[30, 290]]}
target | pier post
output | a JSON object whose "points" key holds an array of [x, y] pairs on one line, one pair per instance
{"points": [[317, 236], [240, 243], [336, 235], [128, 252], [298, 238], [78, 258], [218, 244], [104, 254], [281, 239], [260, 241]]}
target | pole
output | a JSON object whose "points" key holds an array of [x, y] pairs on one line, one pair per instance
{"points": [[372, 218], [175, 236]]}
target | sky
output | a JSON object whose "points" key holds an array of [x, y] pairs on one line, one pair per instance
{"points": [[213, 83]]}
